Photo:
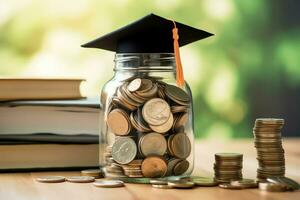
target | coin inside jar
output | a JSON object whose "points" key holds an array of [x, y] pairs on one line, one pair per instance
{"points": [[181, 167], [154, 167], [124, 150], [156, 111], [180, 145], [118, 122], [134, 85], [153, 144], [164, 127]]}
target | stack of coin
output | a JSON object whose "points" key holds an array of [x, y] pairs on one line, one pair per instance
{"points": [[147, 118], [133, 169], [228, 167], [270, 153]]}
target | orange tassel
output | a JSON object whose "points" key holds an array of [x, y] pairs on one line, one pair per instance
{"points": [[179, 70]]}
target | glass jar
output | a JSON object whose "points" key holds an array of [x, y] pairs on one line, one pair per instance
{"points": [[146, 120]]}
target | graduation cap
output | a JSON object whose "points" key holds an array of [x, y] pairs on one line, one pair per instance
{"points": [[150, 34]]}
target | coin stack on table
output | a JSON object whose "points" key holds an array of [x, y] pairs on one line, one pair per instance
{"points": [[228, 167], [148, 119], [270, 153]]}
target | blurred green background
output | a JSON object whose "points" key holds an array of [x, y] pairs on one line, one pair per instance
{"points": [[249, 69]]}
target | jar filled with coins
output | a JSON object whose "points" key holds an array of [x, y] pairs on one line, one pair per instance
{"points": [[147, 120]]}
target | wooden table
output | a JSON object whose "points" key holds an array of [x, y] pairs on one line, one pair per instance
{"points": [[24, 186]]}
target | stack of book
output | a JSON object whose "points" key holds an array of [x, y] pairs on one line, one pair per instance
{"points": [[47, 124]]}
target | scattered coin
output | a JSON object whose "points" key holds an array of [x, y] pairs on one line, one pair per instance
{"points": [[229, 186], [158, 186], [289, 183], [109, 183], [181, 184], [245, 183], [80, 179], [96, 173], [272, 187], [204, 181], [51, 179]]}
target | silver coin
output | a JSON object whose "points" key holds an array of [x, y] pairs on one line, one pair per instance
{"points": [[51, 179], [109, 183], [80, 179], [124, 150]]}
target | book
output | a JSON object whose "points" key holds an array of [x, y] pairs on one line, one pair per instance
{"points": [[39, 88], [43, 157], [50, 118]]}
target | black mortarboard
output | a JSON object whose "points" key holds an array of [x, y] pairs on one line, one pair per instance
{"points": [[150, 34]]}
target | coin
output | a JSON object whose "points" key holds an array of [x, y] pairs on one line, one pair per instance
{"points": [[290, 183], [156, 111], [97, 173], [124, 150], [180, 145], [153, 144], [229, 186], [272, 187], [109, 183], [134, 85], [164, 127], [159, 181], [245, 183], [51, 179], [158, 186], [154, 167], [171, 164], [204, 181], [181, 167], [181, 121], [80, 179], [118, 122], [177, 94], [181, 184]]}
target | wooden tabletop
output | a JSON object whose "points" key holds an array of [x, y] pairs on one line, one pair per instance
{"points": [[23, 185]]}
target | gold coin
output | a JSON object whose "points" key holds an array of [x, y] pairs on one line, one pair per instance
{"points": [[153, 144], [109, 183], [135, 85], [154, 167], [124, 150], [156, 111], [97, 173], [181, 145], [118, 122], [80, 179], [51, 179], [164, 127], [181, 184], [181, 167]]}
